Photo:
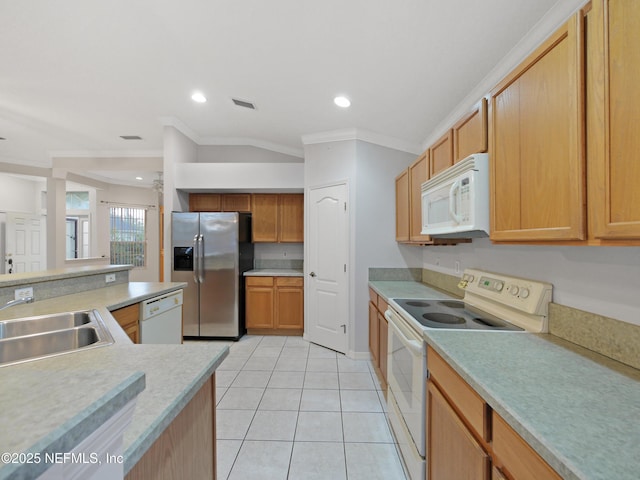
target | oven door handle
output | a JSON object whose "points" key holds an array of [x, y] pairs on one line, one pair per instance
{"points": [[413, 345]]}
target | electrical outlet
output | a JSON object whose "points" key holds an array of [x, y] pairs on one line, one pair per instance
{"points": [[23, 293], [110, 277], [456, 266]]}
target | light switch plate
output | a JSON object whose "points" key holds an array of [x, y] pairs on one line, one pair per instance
{"points": [[110, 277]]}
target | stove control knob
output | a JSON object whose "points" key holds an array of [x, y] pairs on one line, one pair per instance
{"points": [[470, 278], [524, 293], [514, 290], [499, 286]]}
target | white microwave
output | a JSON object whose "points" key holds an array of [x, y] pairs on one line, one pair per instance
{"points": [[455, 202]]}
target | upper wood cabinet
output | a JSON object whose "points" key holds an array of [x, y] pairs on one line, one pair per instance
{"points": [[205, 202], [536, 143], [613, 117], [441, 153], [291, 221], [278, 218], [418, 174], [219, 202], [470, 133], [402, 206]]}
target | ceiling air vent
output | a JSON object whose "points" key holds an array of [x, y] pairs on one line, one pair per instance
{"points": [[244, 104], [130, 137]]}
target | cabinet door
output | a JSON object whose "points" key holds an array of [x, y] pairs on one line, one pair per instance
{"points": [[291, 218], [613, 103], [264, 217], [259, 302], [470, 133], [418, 174], [129, 319], [383, 336], [452, 452], [536, 144], [289, 307], [374, 334], [236, 202], [441, 153], [402, 207], [205, 202], [516, 456]]}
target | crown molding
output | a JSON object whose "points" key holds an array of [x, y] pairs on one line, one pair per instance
{"points": [[229, 141], [57, 154], [362, 135]]}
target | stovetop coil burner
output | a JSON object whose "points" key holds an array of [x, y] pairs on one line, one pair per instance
{"points": [[452, 314]]}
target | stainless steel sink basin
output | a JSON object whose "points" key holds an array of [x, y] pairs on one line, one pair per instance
{"points": [[44, 323], [59, 334]]}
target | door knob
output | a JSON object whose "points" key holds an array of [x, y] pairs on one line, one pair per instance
{"points": [[313, 274]]}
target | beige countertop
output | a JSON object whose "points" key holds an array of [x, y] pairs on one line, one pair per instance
{"points": [[108, 375], [274, 272]]}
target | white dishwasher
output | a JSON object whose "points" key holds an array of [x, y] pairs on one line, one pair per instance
{"points": [[161, 319]]}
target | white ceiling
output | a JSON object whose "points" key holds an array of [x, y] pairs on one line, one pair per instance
{"points": [[77, 74]]}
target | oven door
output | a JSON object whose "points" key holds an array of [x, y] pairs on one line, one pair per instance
{"points": [[406, 376]]}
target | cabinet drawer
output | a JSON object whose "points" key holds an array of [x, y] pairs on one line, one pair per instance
{"points": [[382, 305], [259, 281], [373, 296], [468, 403], [289, 281], [517, 457]]}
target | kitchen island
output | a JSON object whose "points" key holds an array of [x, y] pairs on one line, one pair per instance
{"points": [[575, 408], [53, 403]]}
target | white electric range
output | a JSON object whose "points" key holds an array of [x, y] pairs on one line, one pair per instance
{"points": [[492, 303]]}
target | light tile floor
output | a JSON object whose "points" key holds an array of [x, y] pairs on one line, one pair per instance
{"points": [[289, 409]]}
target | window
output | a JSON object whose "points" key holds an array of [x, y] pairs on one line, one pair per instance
{"points": [[78, 201], [128, 236]]}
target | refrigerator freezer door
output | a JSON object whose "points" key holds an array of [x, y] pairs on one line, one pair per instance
{"points": [[220, 277], [184, 229]]}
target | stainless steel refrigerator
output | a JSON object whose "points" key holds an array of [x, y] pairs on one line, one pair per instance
{"points": [[211, 251]]}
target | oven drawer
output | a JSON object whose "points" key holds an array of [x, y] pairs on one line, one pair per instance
{"points": [[469, 404]]}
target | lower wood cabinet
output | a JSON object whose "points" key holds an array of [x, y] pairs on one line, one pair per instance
{"points": [[467, 440], [129, 319], [378, 336], [275, 305], [453, 452], [187, 447]]}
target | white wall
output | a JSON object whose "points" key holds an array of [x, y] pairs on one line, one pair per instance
{"points": [[370, 171], [278, 251], [263, 177], [242, 154], [601, 280]]}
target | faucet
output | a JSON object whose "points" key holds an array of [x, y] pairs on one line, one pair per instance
{"points": [[19, 301]]}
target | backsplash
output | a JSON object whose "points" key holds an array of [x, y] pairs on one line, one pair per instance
{"points": [[57, 287], [294, 264], [395, 274]]}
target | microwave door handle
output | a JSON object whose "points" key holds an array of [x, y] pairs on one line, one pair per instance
{"points": [[196, 258], [455, 187]]}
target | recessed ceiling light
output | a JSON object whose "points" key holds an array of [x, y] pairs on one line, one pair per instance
{"points": [[138, 178], [198, 97], [343, 102]]}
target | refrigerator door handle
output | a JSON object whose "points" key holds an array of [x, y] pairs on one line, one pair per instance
{"points": [[196, 258], [201, 258]]}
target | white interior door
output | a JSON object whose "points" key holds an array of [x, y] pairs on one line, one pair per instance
{"points": [[327, 280], [25, 242]]}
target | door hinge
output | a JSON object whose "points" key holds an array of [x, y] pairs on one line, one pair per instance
{"points": [[344, 328], [345, 206], [345, 268]]}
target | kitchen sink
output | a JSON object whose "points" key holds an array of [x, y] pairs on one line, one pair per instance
{"points": [[44, 323], [51, 335]]}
